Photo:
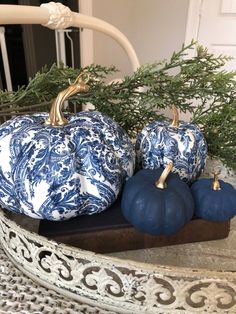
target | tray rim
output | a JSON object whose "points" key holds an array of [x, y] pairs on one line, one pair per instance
{"points": [[90, 254], [193, 277], [121, 285]]}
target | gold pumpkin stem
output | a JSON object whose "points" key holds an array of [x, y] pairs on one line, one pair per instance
{"points": [[161, 183], [216, 183], [175, 122], [56, 117]]}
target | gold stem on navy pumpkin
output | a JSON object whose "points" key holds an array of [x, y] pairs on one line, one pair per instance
{"points": [[175, 122], [56, 117], [161, 183], [216, 183]]}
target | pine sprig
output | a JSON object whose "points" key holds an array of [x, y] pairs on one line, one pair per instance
{"points": [[220, 130], [45, 86], [196, 85]]}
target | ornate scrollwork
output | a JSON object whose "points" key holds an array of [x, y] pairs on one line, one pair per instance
{"points": [[210, 294], [156, 291], [60, 15], [56, 266], [116, 284], [110, 284], [125, 286]]}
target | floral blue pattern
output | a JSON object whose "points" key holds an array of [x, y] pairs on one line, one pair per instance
{"points": [[57, 173], [159, 143]]}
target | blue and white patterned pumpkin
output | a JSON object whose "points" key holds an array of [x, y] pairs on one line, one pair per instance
{"points": [[180, 142], [61, 172]]}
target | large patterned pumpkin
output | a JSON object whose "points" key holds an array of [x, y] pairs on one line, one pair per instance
{"points": [[63, 166], [182, 143]]}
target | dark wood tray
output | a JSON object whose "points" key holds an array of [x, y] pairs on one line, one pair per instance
{"points": [[109, 232]]}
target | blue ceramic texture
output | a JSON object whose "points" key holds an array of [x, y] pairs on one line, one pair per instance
{"points": [[159, 143], [57, 173], [213, 205]]}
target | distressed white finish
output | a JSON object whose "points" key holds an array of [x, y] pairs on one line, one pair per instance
{"points": [[19, 294], [120, 285]]}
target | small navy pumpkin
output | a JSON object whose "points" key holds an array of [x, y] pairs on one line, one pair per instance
{"points": [[57, 167], [156, 207], [215, 200], [180, 142]]}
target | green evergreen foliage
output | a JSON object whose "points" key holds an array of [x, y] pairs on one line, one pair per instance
{"points": [[197, 85]]}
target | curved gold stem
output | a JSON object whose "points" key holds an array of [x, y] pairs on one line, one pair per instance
{"points": [[161, 183], [216, 183], [56, 117], [175, 122]]}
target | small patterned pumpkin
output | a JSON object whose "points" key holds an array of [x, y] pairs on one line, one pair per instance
{"points": [[215, 200], [180, 142], [160, 207], [57, 167]]}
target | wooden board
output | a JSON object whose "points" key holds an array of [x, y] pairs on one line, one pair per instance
{"points": [[109, 232]]}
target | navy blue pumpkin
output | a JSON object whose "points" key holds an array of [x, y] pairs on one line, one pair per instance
{"points": [[156, 207], [215, 200]]}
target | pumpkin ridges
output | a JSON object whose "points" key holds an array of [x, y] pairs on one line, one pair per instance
{"points": [[129, 198], [187, 199], [182, 190], [159, 142], [214, 205], [152, 210], [213, 211], [176, 218], [153, 216], [41, 170], [184, 196]]}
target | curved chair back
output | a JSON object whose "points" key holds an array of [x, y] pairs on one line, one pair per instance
{"points": [[57, 16]]}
